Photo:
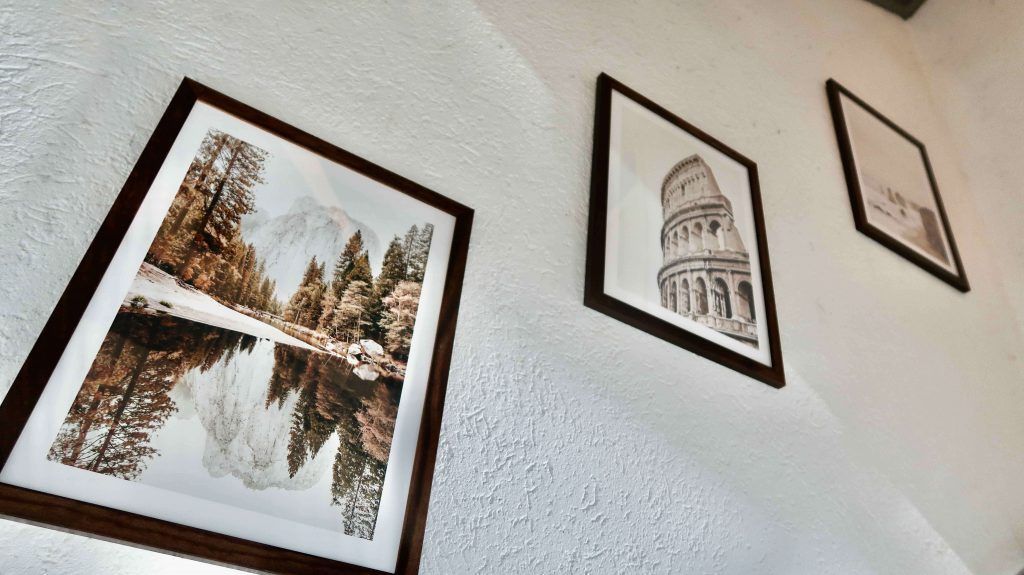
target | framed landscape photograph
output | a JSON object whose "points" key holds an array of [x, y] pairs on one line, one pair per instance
{"points": [[677, 245], [892, 187], [249, 365]]}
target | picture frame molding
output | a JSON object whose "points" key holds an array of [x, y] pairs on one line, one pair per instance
{"points": [[835, 92], [96, 521], [594, 293]]}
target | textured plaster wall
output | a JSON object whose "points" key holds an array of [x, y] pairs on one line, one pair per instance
{"points": [[973, 50], [573, 443]]}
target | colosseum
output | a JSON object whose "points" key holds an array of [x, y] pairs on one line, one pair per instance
{"points": [[705, 272]]}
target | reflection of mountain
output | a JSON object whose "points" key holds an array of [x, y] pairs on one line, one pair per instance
{"points": [[289, 423], [244, 439], [288, 241]]}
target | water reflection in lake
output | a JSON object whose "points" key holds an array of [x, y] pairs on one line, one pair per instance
{"points": [[232, 418]]}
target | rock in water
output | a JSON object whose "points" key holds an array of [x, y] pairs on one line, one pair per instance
{"points": [[366, 372], [371, 348]]}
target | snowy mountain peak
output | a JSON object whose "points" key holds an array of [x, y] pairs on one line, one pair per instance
{"points": [[288, 241], [307, 204]]}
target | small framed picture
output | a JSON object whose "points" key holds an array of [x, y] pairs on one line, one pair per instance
{"points": [[892, 187], [677, 243], [249, 365]]}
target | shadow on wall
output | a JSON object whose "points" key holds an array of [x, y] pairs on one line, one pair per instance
{"points": [[798, 466], [796, 443]]}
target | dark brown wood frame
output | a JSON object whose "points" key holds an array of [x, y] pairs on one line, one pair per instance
{"points": [[594, 294], [835, 91], [158, 535]]}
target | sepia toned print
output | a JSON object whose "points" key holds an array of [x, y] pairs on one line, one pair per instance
{"points": [[893, 190], [896, 190], [705, 274], [248, 366], [260, 352], [677, 245]]}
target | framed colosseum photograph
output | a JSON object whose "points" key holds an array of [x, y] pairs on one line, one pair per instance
{"points": [[677, 243], [893, 193]]}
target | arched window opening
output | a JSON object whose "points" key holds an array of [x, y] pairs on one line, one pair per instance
{"points": [[720, 299], [745, 301], [672, 301], [684, 296], [715, 229], [701, 294], [675, 242], [698, 237]]}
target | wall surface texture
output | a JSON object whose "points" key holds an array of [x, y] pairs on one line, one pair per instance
{"points": [[973, 53], [573, 443]]}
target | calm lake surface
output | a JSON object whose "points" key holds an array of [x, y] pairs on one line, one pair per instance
{"points": [[235, 419]]}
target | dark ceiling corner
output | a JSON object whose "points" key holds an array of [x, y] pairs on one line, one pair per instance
{"points": [[902, 8]]}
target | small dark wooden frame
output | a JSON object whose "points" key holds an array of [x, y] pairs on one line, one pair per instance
{"points": [[594, 293], [146, 532], [835, 91]]}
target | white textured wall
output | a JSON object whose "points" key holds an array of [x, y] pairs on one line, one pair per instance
{"points": [[573, 443], [974, 51]]}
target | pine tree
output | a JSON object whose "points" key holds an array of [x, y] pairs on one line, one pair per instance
{"points": [[417, 254], [200, 238], [266, 293], [204, 165], [392, 272], [188, 201], [346, 261], [275, 307], [227, 200], [400, 317], [329, 305], [351, 317], [312, 270], [360, 270], [251, 298], [246, 269], [304, 307], [409, 247]]}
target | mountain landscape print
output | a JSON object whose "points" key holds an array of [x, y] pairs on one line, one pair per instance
{"points": [[259, 356]]}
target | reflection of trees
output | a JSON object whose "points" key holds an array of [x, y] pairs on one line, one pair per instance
{"points": [[124, 400], [356, 489], [361, 462], [377, 423], [331, 400]]}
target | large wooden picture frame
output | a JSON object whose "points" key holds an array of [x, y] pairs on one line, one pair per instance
{"points": [[893, 192], [384, 425], [676, 243]]}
